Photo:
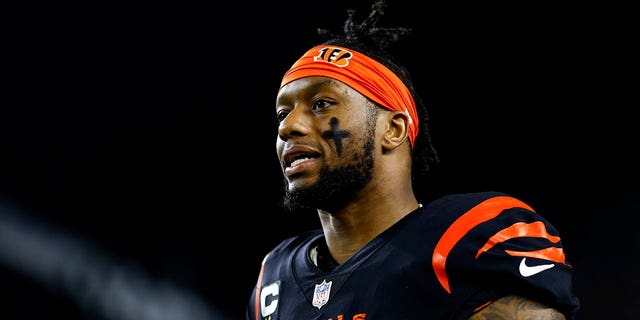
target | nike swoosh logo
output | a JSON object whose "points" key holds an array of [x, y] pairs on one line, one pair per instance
{"points": [[527, 271]]}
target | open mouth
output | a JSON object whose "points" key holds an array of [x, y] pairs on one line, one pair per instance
{"points": [[298, 158], [298, 155]]}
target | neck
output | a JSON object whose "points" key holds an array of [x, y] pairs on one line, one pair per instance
{"points": [[351, 228]]}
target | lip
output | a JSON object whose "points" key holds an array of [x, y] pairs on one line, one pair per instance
{"points": [[290, 171], [294, 152]]}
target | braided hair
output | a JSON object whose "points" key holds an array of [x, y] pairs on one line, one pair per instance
{"points": [[368, 38]]}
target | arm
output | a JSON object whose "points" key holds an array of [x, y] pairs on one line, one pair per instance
{"points": [[516, 307]]}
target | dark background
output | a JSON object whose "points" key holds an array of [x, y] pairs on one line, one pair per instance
{"points": [[147, 132]]}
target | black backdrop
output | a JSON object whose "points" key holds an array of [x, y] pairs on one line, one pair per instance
{"points": [[147, 132]]}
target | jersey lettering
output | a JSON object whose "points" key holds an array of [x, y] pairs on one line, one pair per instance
{"points": [[269, 296], [359, 316]]}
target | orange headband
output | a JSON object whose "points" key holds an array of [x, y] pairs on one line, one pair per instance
{"points": [[365, 75]]}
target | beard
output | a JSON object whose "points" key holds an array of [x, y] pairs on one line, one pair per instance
{"points": [[335, 187]]}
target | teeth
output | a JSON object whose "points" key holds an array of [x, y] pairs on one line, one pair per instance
{"points": [[298, 161]]}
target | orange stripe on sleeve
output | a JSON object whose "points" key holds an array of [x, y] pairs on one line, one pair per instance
{"points": [[258, 288], [482, 212], [519, 229], [551, 253], [482, 306]]}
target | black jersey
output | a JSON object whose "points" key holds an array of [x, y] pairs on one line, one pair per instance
{"points": [[445, 260]]}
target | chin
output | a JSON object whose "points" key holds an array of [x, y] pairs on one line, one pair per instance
{"points": [[299, 184]]}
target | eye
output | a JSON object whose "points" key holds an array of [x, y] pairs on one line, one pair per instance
{"points": [[320, 104], [281, 115]]}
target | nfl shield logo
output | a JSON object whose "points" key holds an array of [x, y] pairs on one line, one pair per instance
{"points": [[321, 294]]}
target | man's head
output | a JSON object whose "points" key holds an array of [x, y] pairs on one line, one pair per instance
{"points": [[348, 116]]}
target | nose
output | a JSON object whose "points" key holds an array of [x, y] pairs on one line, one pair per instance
{"points": [[297, 123]]}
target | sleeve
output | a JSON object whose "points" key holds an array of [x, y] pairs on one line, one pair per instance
{"points": [[501, 247], [251, 308], [253, 304]]}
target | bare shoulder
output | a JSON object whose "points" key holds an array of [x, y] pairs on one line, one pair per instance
{"points": [[516, 307]]}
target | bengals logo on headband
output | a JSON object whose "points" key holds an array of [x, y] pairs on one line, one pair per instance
{"points": [[336, 56]]}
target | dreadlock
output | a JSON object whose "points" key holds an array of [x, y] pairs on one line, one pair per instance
{"points": [[368, 38]]}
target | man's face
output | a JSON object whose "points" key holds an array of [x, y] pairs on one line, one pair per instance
{"points": [[325, 142]]}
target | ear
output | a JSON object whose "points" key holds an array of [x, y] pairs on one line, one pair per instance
{"points": [[396, 130]]}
